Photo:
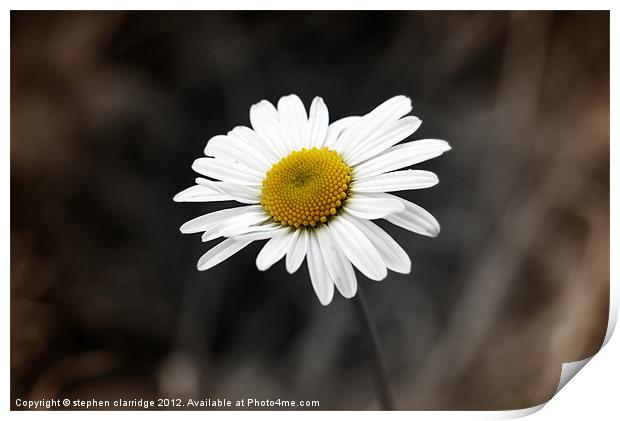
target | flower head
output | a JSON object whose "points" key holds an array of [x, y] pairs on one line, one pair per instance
{"points": [[312, 190]]}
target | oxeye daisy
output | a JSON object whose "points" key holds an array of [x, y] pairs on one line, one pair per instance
{"points": [[312, 189]]}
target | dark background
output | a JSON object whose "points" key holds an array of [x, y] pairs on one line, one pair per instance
{"points": [[108, 111]]}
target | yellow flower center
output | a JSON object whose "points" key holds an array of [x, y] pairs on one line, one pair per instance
{"points": [[306, 187]]}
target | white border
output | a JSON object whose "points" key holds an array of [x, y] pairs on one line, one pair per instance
{"points": [[595, 391], [313, 5]]}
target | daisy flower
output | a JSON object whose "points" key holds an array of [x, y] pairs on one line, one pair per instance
{"points": [[312, 189]]}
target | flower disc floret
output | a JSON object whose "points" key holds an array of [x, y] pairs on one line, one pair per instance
{"points": [[306, 188]]}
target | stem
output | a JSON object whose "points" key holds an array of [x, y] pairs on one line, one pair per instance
{"points": [[375, 352]]}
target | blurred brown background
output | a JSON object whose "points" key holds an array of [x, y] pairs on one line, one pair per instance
{"points": [[108, 110]]}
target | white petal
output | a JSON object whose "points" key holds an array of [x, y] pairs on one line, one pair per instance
{"points": [[200, 193], [323, 286], [272, 251], [203, 222], [386, 113], [338, 266], [216, 147], [396, 181], [260, 235], [234, 222], [358, 249], [238, 192], [369, 206], [294, 121], [259, 145], [383, 139], [401, 156], [337, 128], [227, 171], [233, 149], [297, 250], [318, 122], [413, 218], [264, 119], [221, 252], [392, 253], [238, 231]]}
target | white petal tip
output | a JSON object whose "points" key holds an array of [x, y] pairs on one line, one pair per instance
{"points": [[405, 270], [407, 101], [433, 232], [402, 98], [290, 96], [324, 302], [185, 230], [195, 165], [379, 276], [261, 266], [402, 266], [439, 145], [292, 269], [349, 294]]}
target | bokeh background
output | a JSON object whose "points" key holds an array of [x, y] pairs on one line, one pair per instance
{"points": [[109, 109]]}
